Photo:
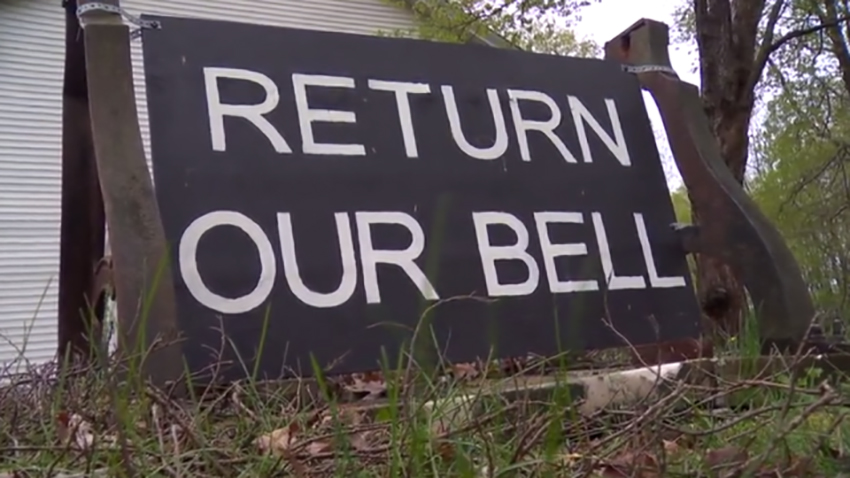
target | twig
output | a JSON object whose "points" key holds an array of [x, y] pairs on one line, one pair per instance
{"points": [[528, 439], [200, 442], [241, 406], [651, 412], [756, 462]]}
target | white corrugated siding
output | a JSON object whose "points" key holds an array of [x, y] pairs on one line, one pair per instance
{"points": [[31, 69]]}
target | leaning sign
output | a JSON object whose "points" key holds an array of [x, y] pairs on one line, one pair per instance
{"points": [[322, 193]]}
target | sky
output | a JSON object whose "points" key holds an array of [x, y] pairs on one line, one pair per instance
{"points": [[602, 21]]}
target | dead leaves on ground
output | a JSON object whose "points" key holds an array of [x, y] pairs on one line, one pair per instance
{"points": [[366, 386], [278, 442], [74, 431], [631, 465], [319, 435], [302, 437], [323, 433], [724, 462]]}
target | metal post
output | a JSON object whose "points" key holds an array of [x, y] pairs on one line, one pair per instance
{"points": [[82, 227], [733, 229], [147, 321]]}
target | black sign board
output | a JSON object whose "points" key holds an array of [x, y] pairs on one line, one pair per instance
{"points": [[322, 191]]}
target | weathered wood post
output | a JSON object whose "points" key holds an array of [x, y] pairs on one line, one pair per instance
{"points": [[142, 278], [734, 230], [82, 228]]}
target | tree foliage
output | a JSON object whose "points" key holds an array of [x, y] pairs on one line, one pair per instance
{"points": [[803, 150], [542, 26], [804, 186]]}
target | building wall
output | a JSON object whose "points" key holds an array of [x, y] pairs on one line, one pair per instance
{"points": [[31, 69]]}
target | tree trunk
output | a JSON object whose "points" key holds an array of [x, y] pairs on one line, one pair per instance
{"points": [[730, 65], [722, 297]]}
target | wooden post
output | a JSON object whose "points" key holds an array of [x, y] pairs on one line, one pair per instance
{"points": [[147, 321], [733, 229], [82, 229]]}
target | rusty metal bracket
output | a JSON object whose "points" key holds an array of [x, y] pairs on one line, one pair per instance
{"points": [[733, 229], [689, 237]]}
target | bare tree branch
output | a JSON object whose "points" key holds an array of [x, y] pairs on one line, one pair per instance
{"points": [[839, 47], [761, 60], [764, 50]]}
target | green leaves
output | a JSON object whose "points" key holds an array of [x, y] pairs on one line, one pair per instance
{"points": [[542, 26], [803, 182]]}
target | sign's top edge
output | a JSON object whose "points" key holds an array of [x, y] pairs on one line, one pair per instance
{"points": [[159, 19]]}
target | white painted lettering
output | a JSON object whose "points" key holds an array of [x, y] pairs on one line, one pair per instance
{"points": [[616, 145], [253, 113], [547, 127], [654, 279], [290, 264], [614, 282], [307, 116], [188, 251], [500, 144], [402, 91], [404, 259], [490, 254], [551, 251]]}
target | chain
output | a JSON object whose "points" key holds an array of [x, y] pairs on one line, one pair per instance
{"points": [[135, 20], [650, 68]]}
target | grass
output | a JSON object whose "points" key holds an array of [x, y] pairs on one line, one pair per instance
{"points": [[92, 424], [105, 421]]}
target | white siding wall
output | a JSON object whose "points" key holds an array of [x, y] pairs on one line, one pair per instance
{"points": [[31, 69]]}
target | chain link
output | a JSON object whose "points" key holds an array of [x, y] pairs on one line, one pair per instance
{"points": [[650, 68], [135, 20]]}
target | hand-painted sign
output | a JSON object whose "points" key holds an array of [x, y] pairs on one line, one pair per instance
{"points": [[322, 191]]}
